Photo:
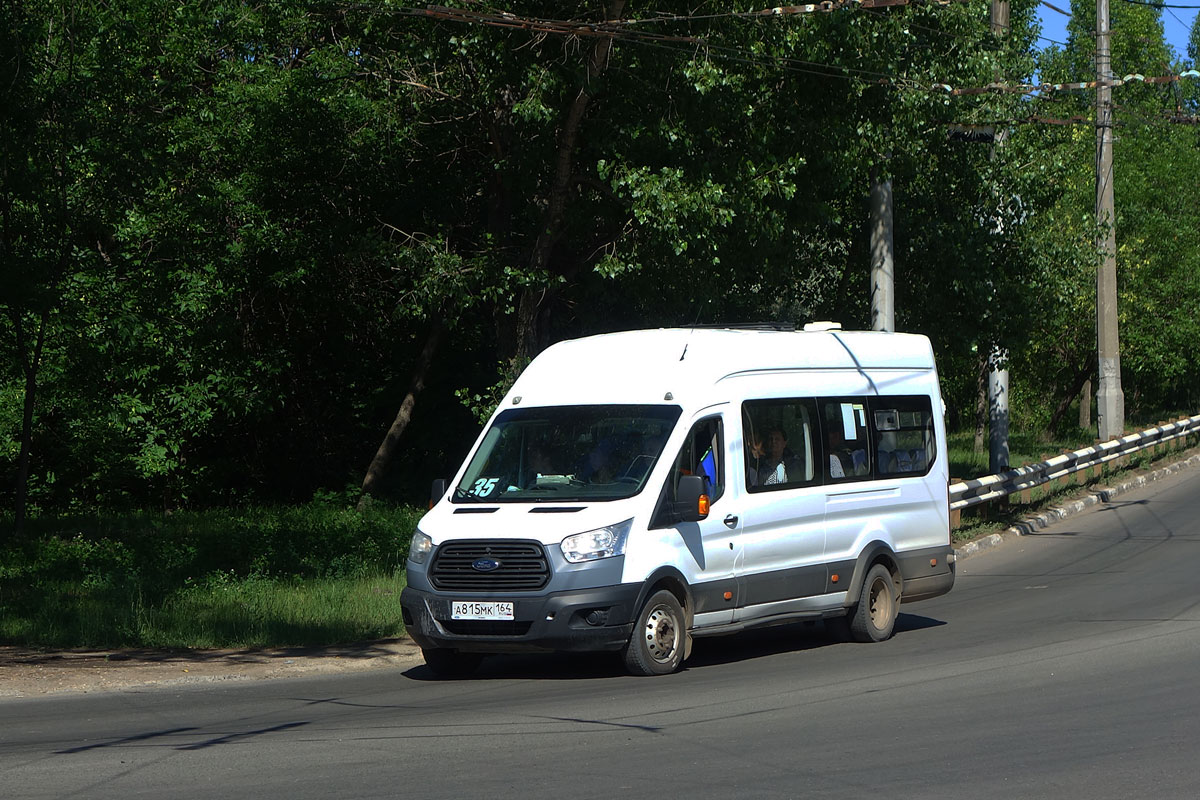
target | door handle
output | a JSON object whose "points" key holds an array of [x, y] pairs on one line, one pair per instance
{"points": [[730, 521]]}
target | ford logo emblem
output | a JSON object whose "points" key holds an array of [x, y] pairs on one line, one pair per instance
{"points": [[485, 565]]}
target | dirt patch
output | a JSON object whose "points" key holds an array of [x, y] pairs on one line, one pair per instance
{"points": [[30, 673]]}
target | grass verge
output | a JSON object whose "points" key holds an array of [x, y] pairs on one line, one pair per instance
{"points": [[303, 575], [219, 613]]}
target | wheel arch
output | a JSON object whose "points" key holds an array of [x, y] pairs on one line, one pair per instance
{"points": [[673, 581], [876, 552]]}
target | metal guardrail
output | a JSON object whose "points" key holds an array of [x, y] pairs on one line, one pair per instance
{"points": [[965, 494]]}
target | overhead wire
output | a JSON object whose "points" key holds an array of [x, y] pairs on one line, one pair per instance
{"points": [[1182, 24], [1067, 14], [616, 30], [1043, 92], [1156, 4]]}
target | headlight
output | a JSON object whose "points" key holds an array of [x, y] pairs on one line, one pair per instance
{"points": [[600, 543], [420, 548]]}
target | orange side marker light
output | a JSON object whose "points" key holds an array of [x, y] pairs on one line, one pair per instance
{"points": [[702, 506], [833, 578]]}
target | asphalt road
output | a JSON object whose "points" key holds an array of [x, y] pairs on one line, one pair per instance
{"points": [[1063, 664]]}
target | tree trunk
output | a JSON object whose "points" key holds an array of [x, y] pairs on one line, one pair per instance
{"points": [[383, 456], [981, 402], [30, 366], [1085, 405], [529, 306], [1081, 376]]}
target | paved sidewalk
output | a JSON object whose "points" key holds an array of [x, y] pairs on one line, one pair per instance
{"points": [[29, 673]]}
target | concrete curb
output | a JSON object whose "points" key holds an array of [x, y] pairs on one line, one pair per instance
{"points": [[1050, 516]]}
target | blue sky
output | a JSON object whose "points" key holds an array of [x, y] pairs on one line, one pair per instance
{"points": [[1177, 23]]}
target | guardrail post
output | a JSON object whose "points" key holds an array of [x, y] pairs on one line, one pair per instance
{"points": [[1081, 477]]}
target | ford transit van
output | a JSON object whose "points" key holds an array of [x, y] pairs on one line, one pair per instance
{"points": [[635, 490]]}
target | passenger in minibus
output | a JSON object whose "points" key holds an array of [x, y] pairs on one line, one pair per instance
{"points": [[776, 462]]}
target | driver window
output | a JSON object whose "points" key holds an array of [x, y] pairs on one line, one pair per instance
{"points": [[702, 455]]}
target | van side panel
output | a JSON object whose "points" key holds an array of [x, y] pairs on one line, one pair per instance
{"points": [[784, 536]]}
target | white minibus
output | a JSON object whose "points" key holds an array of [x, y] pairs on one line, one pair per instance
{"points": [[635, 490]]}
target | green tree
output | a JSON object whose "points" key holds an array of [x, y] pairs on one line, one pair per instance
{"points": [[1155, 239]]}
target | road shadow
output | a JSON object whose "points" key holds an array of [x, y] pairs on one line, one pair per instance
{"points": [[916, 622], [707, 652]]}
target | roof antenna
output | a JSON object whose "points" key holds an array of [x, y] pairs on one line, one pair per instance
{"points": [[692, 328]]}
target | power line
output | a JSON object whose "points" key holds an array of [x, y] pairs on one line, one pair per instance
{"points": [[952, 34], [1032, 88], [614, 29], [622, 30], [617, 30], [1155, 4], [1180, 21]]}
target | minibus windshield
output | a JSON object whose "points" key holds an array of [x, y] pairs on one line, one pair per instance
{"points": [[567, 453]]}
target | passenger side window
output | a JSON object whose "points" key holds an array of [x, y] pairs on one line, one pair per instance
{"points": [[903, 435], [847, 448], [702, 455], [777, 443]]}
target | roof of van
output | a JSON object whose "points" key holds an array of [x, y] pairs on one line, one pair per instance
{"points": [[642, 366]]}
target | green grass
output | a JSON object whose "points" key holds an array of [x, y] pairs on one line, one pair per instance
{"points": [[1023, 448], [228, 613], [260, 612], [298, 575]]}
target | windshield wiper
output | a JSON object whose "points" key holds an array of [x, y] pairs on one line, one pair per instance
{"points": [[461, 494]]}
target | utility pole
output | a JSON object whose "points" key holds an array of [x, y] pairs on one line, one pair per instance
{"points": [[999, 18], [1110, 400], [883, 290], [998, 453]]}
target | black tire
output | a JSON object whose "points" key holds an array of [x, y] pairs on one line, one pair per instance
{"points": [[874, 618], [659, 640], [447, 663]]}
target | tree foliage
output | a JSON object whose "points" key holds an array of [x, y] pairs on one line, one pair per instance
{"points": [[1157, 245], [236, 236]]}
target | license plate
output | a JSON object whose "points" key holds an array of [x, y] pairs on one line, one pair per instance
{"points": [[481, 610]]}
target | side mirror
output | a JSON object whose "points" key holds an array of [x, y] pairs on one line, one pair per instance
{"points": [[437, 492], [691, 499]]}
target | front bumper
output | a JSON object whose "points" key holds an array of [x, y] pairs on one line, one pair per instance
{"points": [[554, 621]]}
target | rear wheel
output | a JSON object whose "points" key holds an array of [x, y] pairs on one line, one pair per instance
{"points": [[447, 663], [874, 619], [659, 641]]}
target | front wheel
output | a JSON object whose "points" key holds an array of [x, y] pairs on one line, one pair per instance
{"points": [[874, 619], [659, 641]]}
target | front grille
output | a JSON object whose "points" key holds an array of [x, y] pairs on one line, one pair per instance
{"points": [[523, 567], [479, 627]]}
